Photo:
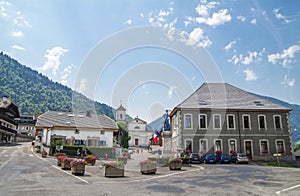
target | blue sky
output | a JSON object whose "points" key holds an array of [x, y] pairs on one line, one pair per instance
{"points": [[254, 45]]}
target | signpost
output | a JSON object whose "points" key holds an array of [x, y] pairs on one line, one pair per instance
{"points": [[277, 157]]}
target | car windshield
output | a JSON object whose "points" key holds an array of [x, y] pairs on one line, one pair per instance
{"points": [[242, 155]]}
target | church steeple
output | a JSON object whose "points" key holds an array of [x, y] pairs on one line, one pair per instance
{"points": [[120, 113]]}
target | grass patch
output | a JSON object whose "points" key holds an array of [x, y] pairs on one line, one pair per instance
{"points": [[275, 164]]}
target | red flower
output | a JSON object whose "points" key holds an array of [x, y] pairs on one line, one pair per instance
{"points": [[265, 151], [232, 151], [281, 151], [219, 152]]}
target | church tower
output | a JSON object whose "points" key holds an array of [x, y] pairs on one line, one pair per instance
{"points": [[121, 114]]}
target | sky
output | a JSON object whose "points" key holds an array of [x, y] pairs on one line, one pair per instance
{"points": [[151, 55]]}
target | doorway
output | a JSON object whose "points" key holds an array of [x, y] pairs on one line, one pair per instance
{"points": [[248, 147]]}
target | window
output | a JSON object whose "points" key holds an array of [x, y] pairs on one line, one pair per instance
{"points": [[102, 143], [232, 146], [202, 121], [188, 121], [188, 146], [230, 121], [246, 122], [262, 122], [217, 121], [218, 145], [76, 131], [102, 132], [280, 146], [264, 147], [137, 127], [121, 116], [203, 146], [277, 121]]}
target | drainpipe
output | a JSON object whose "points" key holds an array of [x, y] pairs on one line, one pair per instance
{"points": [[239, 130]]}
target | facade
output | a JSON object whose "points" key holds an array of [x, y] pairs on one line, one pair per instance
{"points": [[120, 114], [8, 111], [139, 132], [76, 128], [221, 117], [26, 125]]}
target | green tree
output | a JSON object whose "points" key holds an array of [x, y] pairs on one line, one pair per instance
{"points": [[297, 147]]}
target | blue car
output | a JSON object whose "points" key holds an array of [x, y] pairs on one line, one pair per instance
{"points": [[224, 158], [209, 158]]}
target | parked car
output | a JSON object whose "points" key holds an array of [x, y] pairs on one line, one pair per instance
{"points": [[209, 158], [239, 158], [195, 158], [224, 158]]}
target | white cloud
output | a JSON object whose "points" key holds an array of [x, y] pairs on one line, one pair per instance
{"points": [[16, 47], [129, 22], [246, 60], [17, 34], [53, 59], [196, 38], [82, 86], [288, 81], [230, 45], [142, 15], [241, 18], [250, 75], [285, 57], [253, 21], [217, 18], [65, 74], [280, 16]]}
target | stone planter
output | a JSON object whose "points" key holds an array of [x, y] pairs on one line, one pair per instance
{"points": [[114, 171], [148, 168], [78, 169], [65, 164], [175, 166]]}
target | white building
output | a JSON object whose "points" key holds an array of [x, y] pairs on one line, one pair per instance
{"points": [[139, 132], [76, 128]]}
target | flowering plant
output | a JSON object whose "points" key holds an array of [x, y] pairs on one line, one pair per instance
{"points": [[76, 162], [281, 151], [91, 157], [219, 152], [44, 153], [203, 151], [232, 151], [66, 159], [264, 151], [61, 157], [60, 154], [147, 161], [114, 164], [175, 160]]}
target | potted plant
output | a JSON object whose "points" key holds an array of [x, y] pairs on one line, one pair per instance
{"points": [[281, 151], [175, 164], [233, 152], [148, 167], [90, 159], [66, 163], [114, 169], [264, 151], [44, 154], [78, 166], [59, 159], [122, 159]]}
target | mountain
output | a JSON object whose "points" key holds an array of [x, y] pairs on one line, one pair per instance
{"points": [[157, 124], [35, 93]]}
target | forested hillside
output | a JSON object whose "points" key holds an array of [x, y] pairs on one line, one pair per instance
{"points": [[34, 93]]}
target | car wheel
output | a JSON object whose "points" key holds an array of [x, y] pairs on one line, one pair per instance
{"points": [[236, 161]]}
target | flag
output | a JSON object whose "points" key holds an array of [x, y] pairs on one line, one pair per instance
{"points": [[155, 136]]}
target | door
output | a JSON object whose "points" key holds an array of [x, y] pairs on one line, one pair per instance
{"points": [[248, 145], [136, 142]]}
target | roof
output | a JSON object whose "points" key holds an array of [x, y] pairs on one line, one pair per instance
{"points": [[226, 96], [121, 108], [7, 104], [137, 119], [75, 120]]}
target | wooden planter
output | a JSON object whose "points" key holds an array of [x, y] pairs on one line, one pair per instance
{"points": [[58, 163], [122, 159], [175, 166], [44, 155], [65, 164], [148, 168], [112, 171], [78, 169]]}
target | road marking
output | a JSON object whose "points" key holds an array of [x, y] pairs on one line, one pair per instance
{"points": [[58, 168], [287, 189]]}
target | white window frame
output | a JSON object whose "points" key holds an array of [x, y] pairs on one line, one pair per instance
{"points": [[229, 145], [214, 125], [283, 143], [244, 121], [185, 121], [280, 122], [206, 145], [252, 152], [205, 121], [268, 146], [265, 121], [221, 144], [227, 118]]}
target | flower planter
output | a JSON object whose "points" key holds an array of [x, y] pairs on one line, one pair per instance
{"points": [[114, 171], [148, 168], [58, 163], [78, 169], [175, 166], [65, 164], [44, 155], [122, 159]]}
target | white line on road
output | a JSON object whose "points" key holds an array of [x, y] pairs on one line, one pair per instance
{"points": [[287, 189], [58, 168]]}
